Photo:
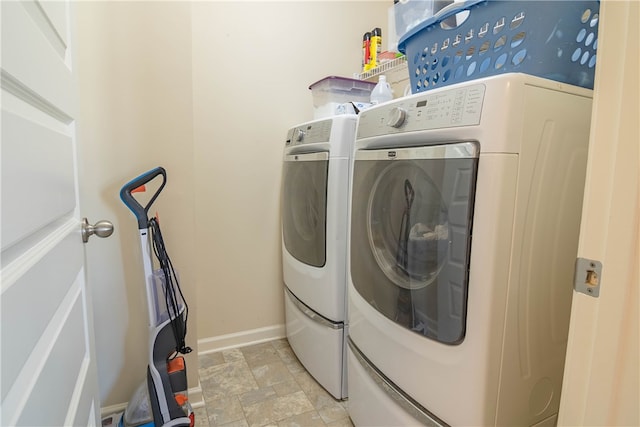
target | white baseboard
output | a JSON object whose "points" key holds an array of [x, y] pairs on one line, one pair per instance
{"points": [[113, 409], [195, 398], [241, 339]]}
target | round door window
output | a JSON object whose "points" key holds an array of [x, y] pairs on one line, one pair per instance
{"points": [[407, 225]]}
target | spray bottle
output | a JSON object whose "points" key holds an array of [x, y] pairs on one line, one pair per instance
{"points": [[366, 52], [376, 47]]}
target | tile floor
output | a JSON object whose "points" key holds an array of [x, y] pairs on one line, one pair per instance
{"points": [[264, 385]]}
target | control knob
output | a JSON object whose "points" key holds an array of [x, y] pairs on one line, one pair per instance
{"points": [[299, 135], [397, 117]]}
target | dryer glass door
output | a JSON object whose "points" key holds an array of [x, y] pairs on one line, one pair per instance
{"points": [[411, 232], [304, 206]]}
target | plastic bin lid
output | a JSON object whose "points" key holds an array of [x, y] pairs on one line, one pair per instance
{"points": [[342, 80], [444, 13]]}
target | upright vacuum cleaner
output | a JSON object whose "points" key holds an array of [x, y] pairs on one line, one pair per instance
{"points": [[161, 400]]}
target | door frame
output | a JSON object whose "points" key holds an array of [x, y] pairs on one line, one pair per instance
{"points": [[601, 378]]}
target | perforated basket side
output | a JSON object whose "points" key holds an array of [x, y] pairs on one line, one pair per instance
{"points": [[550, 39]]}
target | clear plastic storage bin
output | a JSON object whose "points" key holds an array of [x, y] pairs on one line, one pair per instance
{"points": [[331, 92], [410, 13]]}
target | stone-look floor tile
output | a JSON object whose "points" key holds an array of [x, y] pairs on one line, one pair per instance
{"points": [[226, 380], [317, 395], [332, 412], [255, 396], [306, 381], [214, 371], [241, 423], [224, 411], [280, 343], [201, 417], [232, 355], [308, 419], [287, 355], [260, 354], [345, 422], [291, 361], [210, 359], [264, 385], [271, 373], [277, 409], [286, 387], [296, 367]]}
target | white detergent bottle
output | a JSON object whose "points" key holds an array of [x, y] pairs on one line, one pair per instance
{"points": [[382, 91]]}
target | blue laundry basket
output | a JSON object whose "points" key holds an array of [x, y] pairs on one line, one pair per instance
{"points": [[556, 40]]}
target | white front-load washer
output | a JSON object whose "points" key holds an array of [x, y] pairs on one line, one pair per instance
{"points": [[464, 221], [315, 191]]}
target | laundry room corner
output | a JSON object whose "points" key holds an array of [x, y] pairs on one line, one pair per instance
{"points": [[135, 115], [252, 66], [206, 90], [436, 227]]}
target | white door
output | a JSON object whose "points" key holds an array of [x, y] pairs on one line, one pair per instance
{"points": [[47, 358]]}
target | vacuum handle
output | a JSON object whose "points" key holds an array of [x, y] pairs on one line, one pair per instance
{"points": [[138, 210]]}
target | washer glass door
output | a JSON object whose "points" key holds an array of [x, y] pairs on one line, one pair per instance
{"points": [[304, 206], [411, 232]]}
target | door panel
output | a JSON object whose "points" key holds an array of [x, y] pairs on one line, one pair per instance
{"points": [[43, 302], [35, 58], [37, 164], [48, 363], [61, 358]]}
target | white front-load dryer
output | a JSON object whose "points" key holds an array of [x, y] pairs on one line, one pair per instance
{"points": [[316, 170], [464, 221]]}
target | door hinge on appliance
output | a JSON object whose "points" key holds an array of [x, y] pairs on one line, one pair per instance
{"points": [[587, 277]]}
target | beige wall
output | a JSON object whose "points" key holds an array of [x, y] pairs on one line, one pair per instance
{"points": [[207, 90], [136, 113], [250, 84]]}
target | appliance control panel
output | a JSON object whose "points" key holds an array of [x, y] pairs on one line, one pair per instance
{"points": [[438, 109], [318, 131]]}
